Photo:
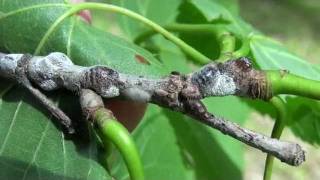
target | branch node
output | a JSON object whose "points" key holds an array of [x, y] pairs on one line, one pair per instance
{"points": [[21, 78]]}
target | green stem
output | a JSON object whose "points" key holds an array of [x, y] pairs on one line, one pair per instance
{"points": [[52, 28], [282, 82], [226, 39], [276, 133], [182, 28], [244, 50], [111, 130], [107, 7], [105, 152], [227, 46]]}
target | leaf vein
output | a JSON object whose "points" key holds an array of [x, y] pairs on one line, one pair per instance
{"points": [[72, 24], [36, 151], [11, 127]]}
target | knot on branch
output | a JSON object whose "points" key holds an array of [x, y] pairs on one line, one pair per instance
{"points": [[45, 71], [21, 69], [250, 82], [103, 80], [177, 89], [234, 77]]}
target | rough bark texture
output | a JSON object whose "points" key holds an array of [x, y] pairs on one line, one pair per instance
{"points": [[287, 152], [177, 91]]}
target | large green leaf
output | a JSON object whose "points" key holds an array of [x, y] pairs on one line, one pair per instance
{"points": [[84, 44], [162, 12], [31, 145], [210, 11], [304, 118], [231, 5], [270, 54], [217, 13]]}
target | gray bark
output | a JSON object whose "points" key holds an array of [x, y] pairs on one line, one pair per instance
{"points": [[177, 92]]}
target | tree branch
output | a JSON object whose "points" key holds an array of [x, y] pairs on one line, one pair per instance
{"points": [[287, 152], [177, 92]]}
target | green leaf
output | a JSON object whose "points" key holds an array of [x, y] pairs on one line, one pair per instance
{"points": [[303, 114], [162, 12], [170, 55], [304, 118], [270, 54], [222, 15], [211, 11], [90, 46], [83, 43], [31, 145], [231, 5]]}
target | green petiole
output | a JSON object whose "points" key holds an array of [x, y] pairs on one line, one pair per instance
{"points": [[197, 56], [283, 82], [110, 130]]}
